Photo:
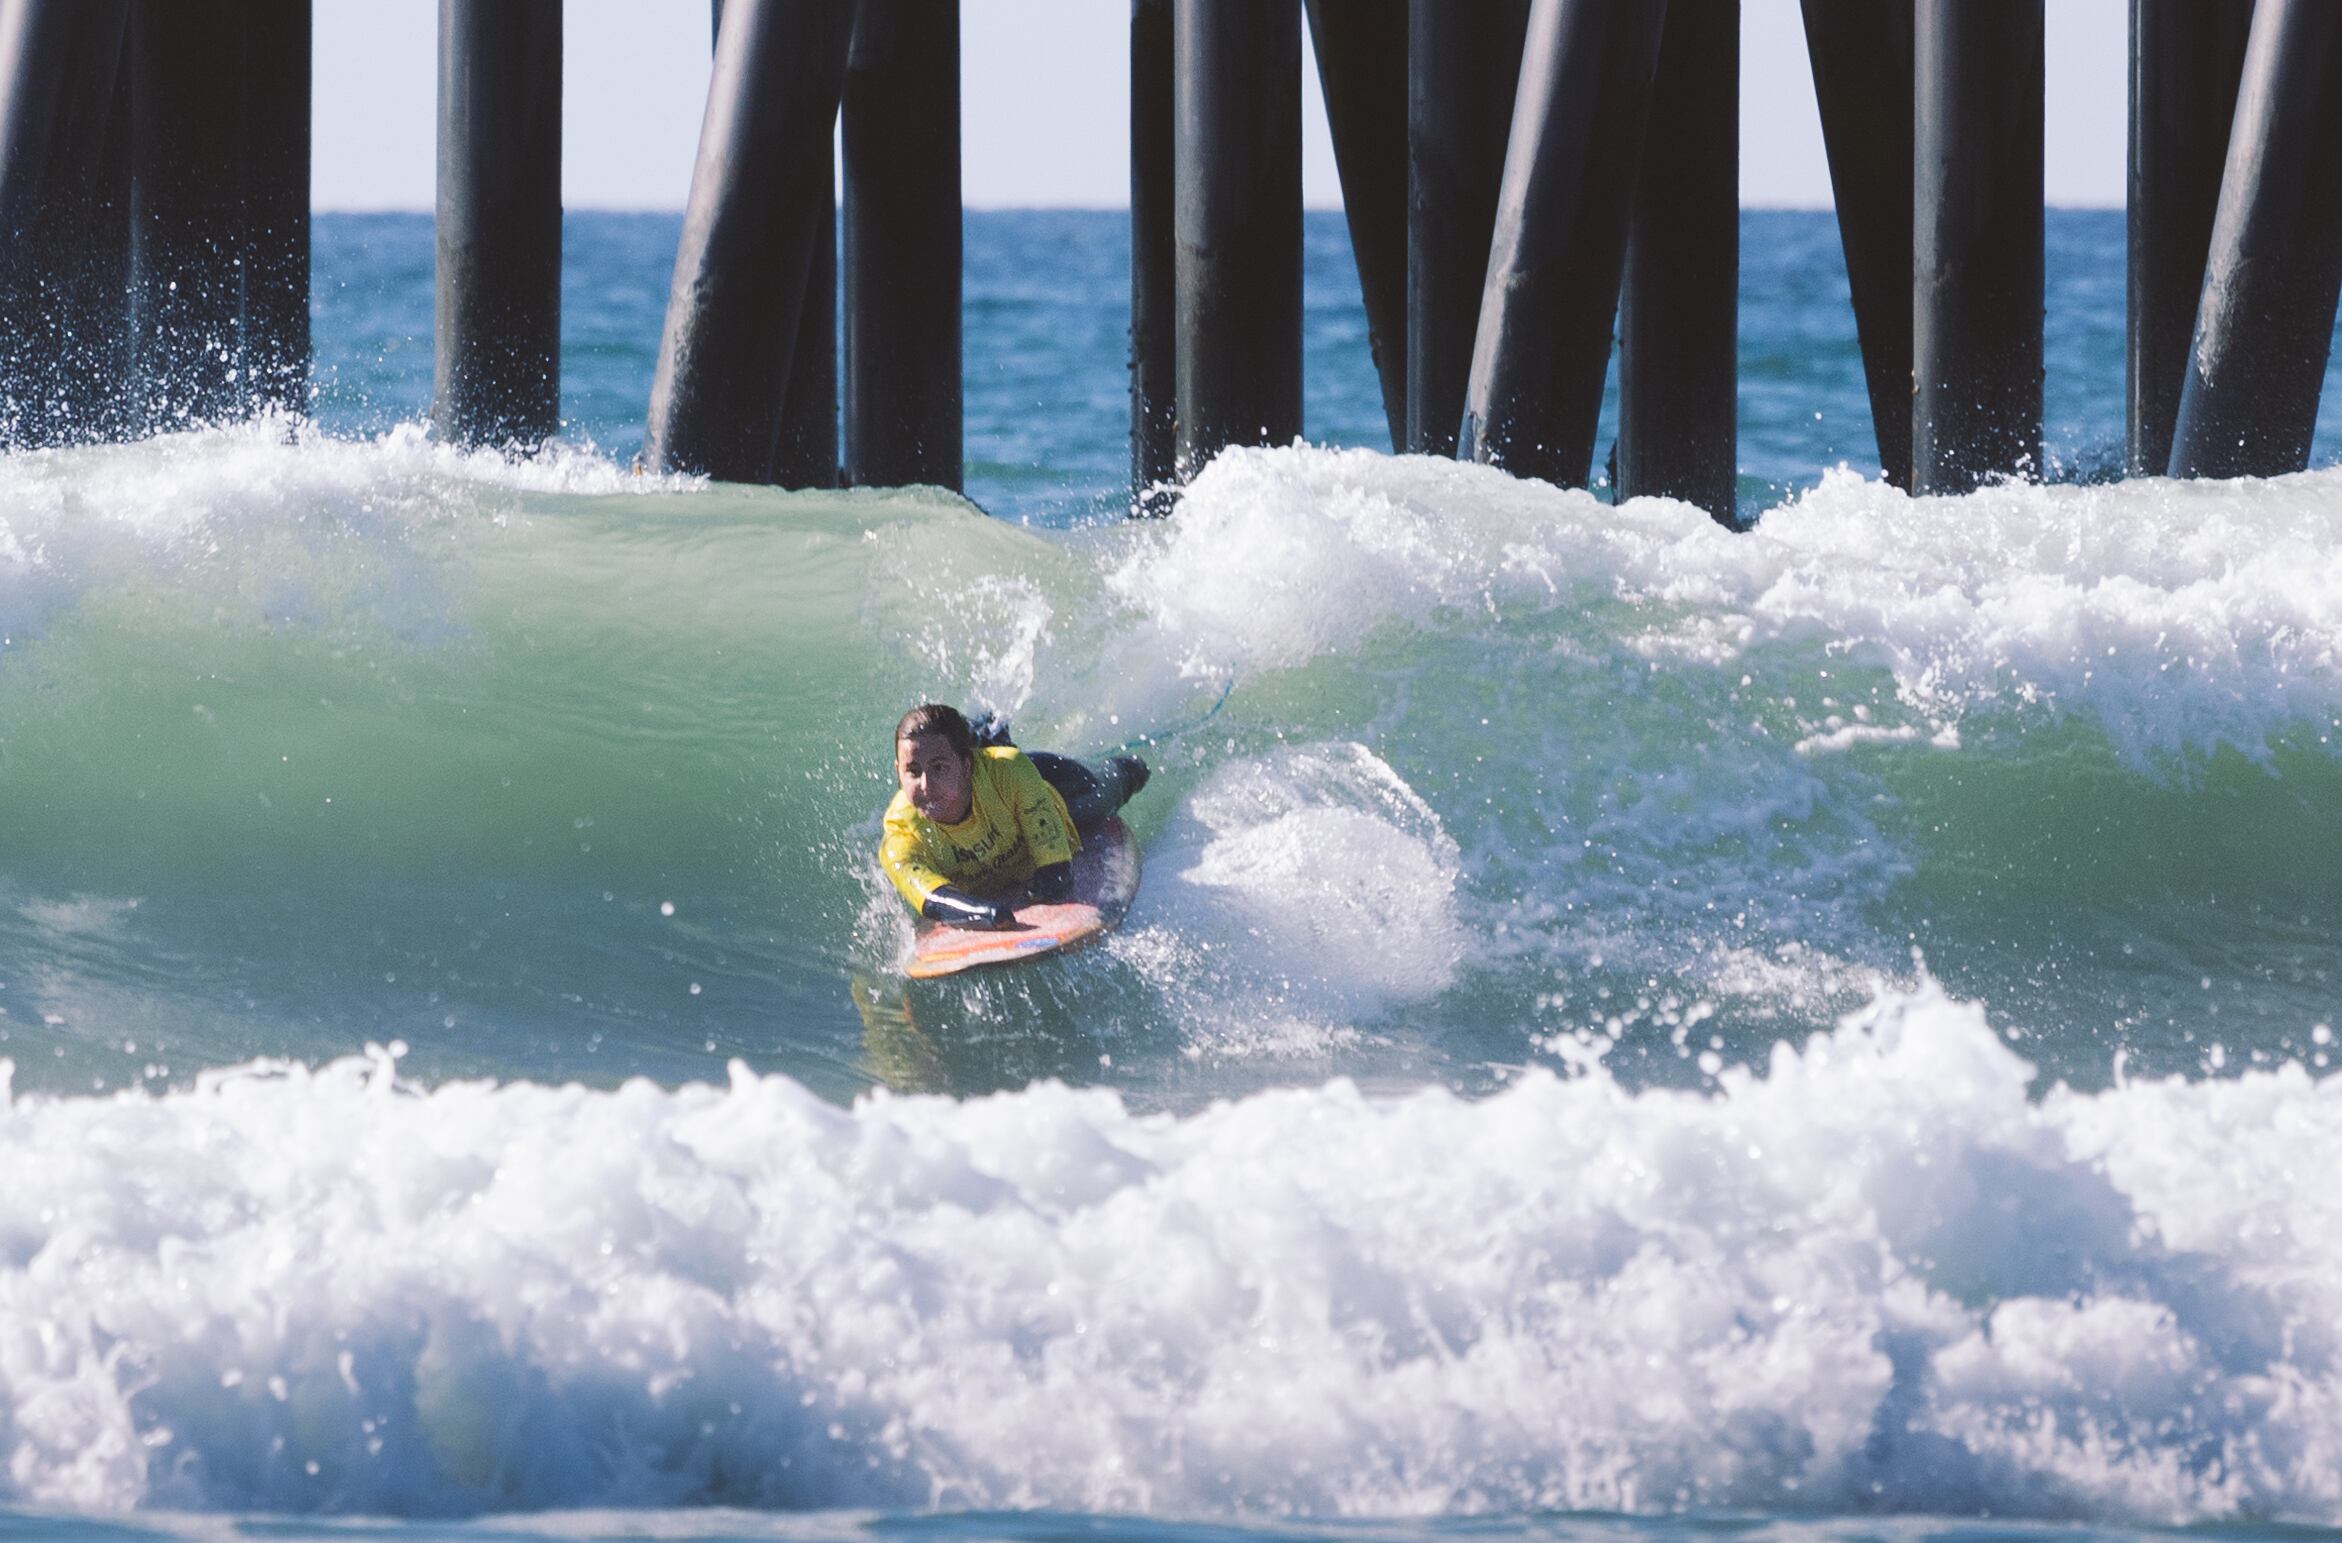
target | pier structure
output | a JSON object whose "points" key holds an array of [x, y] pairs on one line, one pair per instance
{"points": [[1679, 303], [154, 215], [1860, 52], [2265, 319], [497, 307], [1153, 259], [2187, 57], [1534, 401], [805, 455], [1463, 68], [64, 220], [1977, 277], [900, 134], [755, 214], [1236, 238], [1530, 185]]}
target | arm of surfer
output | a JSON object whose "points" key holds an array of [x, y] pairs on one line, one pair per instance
{"points": [[1040, 816], [951, 904], [1053, 882]]}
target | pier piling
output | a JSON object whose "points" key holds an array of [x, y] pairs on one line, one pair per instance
{"points": [[1976, 247], [805, 455], [498, 309], [1679, 305], [276, 138], [749, 234], [901, 135], [62, 324], [187, 226], [1237, 90], [1154, 248], [1361, 48], [1464, 61], [2186, 59], [2265, 321], [1521, 177], [1860, 51], [96, 357], [1543, 343]]}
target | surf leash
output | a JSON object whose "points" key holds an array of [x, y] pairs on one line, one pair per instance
{"points": [[1161, 736]]}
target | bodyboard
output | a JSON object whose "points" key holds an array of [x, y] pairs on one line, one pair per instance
{"points": [[1105, 877]]}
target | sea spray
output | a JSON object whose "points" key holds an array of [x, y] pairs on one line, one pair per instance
{"points": [[1885, 1270], [2178, 617]]}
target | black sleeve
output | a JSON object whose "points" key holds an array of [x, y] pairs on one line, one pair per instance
{"points": [[961, 909], [1053, 882]]}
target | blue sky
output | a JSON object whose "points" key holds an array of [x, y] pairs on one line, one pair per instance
{"points": [[1044, 104]]}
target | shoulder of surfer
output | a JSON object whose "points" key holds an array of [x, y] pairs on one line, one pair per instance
{"points": [[1005, 769]]}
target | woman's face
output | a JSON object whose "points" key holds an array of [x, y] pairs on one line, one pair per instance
{"points": [[934, 776]]}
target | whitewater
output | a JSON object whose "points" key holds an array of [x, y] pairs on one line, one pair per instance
{"points": [[1629, 1027]]}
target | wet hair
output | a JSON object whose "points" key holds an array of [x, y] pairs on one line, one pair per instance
{"points": [[935, 718]]}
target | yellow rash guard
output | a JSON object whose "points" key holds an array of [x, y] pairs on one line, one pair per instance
{"points": [[1016, 823]]}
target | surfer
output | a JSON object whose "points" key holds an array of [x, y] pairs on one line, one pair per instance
{"points": [[974, 817]]}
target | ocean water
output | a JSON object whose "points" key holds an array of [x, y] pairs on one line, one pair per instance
{"points": [[1630, 1031]]}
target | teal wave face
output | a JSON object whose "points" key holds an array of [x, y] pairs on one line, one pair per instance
{"points": [[555, 772], [420, 747]]}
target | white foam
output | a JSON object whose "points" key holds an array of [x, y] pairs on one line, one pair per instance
{"points": [[2177, 617], [1676, 748], [73, 519], [94, 916], [1874, 1276], [174, 484], [1275, 557], [1841, 737], [1309, 883]]}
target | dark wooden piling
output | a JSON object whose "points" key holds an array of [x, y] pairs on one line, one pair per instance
{"points": [[2186, 59], [1860, 51], [1976, 248], [277, 154], [1237, 87], [901, 134], [1361, 48], [63, 326], [98, 356], [749, 233], [1154, 260], [1463, 63], [187, 229], [2265, 322], [498, 375], [1543, 343], [1679, 307], [805, 454]]}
